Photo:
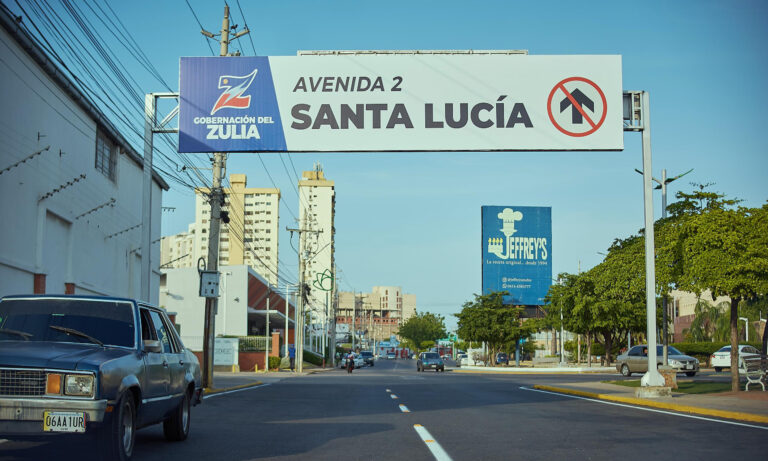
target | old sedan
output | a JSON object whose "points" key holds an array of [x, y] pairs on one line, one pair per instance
{"points": [[430, 360], [107, 366], [636, 361]]}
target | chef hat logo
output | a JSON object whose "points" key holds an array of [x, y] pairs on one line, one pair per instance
{"points": [[508, 218]]}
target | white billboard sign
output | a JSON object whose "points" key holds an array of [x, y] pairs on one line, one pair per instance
{"points": [[385, 103]]}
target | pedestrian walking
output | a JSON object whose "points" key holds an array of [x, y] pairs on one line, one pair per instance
{"points": [[292, 355]]}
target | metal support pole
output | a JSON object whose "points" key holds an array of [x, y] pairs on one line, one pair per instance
{"points": [[652, 377], [150, 104], [562, 339], [665, 340], [269, 340]]}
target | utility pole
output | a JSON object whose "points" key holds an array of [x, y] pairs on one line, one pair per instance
{"points": [[300, 305], [216, 201], [663, 186]]}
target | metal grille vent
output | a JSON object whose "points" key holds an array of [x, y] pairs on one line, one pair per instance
{"points": [[22, 382]]}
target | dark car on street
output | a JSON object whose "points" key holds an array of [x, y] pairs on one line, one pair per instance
{"points": [[502, 358], [93, 365], [367, 357], [430, 361]]}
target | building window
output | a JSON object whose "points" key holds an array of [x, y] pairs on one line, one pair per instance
{"points": [[106, 156]]}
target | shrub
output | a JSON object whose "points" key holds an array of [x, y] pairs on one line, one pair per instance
{"points": [[274, 362], [312, 358]]}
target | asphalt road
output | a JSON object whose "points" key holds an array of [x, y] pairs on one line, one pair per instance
{"points": [[336, 416]]}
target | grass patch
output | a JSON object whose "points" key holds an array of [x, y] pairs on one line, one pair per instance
{"points": [[685, 387]]}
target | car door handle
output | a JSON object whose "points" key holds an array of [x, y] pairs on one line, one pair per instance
{"points": [[165, 364], [181, 362]]}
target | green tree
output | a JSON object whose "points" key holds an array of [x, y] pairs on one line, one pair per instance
{"points": [[724, 250], [487, 319], [423, 327]]}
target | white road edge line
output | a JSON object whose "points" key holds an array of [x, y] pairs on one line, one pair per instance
{"points": [[431, 443], [404, 409], [235, 390], [647, 409]]}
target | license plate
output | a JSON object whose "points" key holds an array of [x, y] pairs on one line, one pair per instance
{"points": [[64, 421]]}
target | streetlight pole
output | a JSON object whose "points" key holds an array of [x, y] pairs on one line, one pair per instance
{"points": [[746, 328], [663, 186]]}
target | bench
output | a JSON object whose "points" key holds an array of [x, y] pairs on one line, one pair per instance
{"points": [[755, 370]]}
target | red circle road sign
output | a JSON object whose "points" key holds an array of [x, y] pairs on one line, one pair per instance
{"points": [[577, 104]]}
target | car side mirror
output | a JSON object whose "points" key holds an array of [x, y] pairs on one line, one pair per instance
{"points": [[152, 345]]}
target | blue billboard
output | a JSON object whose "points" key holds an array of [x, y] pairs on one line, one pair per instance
{"points": [[517, 252], [228, 105]]}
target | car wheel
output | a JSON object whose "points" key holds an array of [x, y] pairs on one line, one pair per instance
{"points": [[117, 437], [176, 428], [718, 369], [690, 373], [625, 370]]}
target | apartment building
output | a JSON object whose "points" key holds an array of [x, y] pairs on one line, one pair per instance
{"points": [[317, 202], [380, 312], [250, 237]]}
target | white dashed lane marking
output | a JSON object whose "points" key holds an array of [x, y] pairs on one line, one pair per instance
{"points": [[434, 447], [404, 409]]}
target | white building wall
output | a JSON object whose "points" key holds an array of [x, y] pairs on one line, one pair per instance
{"points": [[52, 234], [181, 295]]}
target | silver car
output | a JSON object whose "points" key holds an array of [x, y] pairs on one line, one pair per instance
{"points": [[635, 360]]}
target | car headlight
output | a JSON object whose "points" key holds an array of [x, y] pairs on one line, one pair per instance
{"points": [[80, 385], [674, 363]]}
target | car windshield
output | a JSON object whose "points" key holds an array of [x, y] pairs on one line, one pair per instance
{"points": [[431, 356], [367, 354], [67, 320], [670, 351]]}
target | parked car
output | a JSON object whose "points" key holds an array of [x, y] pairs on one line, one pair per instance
{"points": [[459, 358], [367, 357], [502, 357], [722, 358], [430, 360], [84, 364], [635, 360]]}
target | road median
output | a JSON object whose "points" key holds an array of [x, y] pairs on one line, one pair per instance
{"points": [[702, 411]]}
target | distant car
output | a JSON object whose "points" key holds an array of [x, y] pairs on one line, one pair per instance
{"points": [[367, 357], [391, 356], [430, 361], [459, 359], [93, 365], [635, 360], [722, 358], [502, 358]]}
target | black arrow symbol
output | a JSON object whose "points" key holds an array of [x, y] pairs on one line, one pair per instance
{"points": [[583, 101]]}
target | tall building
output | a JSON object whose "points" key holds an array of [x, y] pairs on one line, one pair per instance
{"points": [[317, 202], [250, 237], [381, 313]]}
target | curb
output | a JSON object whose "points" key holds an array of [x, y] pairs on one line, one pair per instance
{"points": [[739, 416], [499, 372], [211, 391]]}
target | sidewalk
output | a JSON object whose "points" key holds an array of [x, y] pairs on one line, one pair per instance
{"points": [[749, 406], [226, 381]]}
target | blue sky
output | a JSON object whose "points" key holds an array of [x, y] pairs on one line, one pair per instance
{"points": [[414, 219]]}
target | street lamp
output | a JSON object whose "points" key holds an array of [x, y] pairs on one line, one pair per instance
{"points": [[663, 186], [746, 328]]}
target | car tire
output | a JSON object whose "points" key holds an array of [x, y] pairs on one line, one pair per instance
{"points": [[690, 373], [176, 428], [718, 369], [625, 370], [116, 439]]}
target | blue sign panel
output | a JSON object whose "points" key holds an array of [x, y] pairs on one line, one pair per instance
{"points": [[228, 105], [517, 252]]}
